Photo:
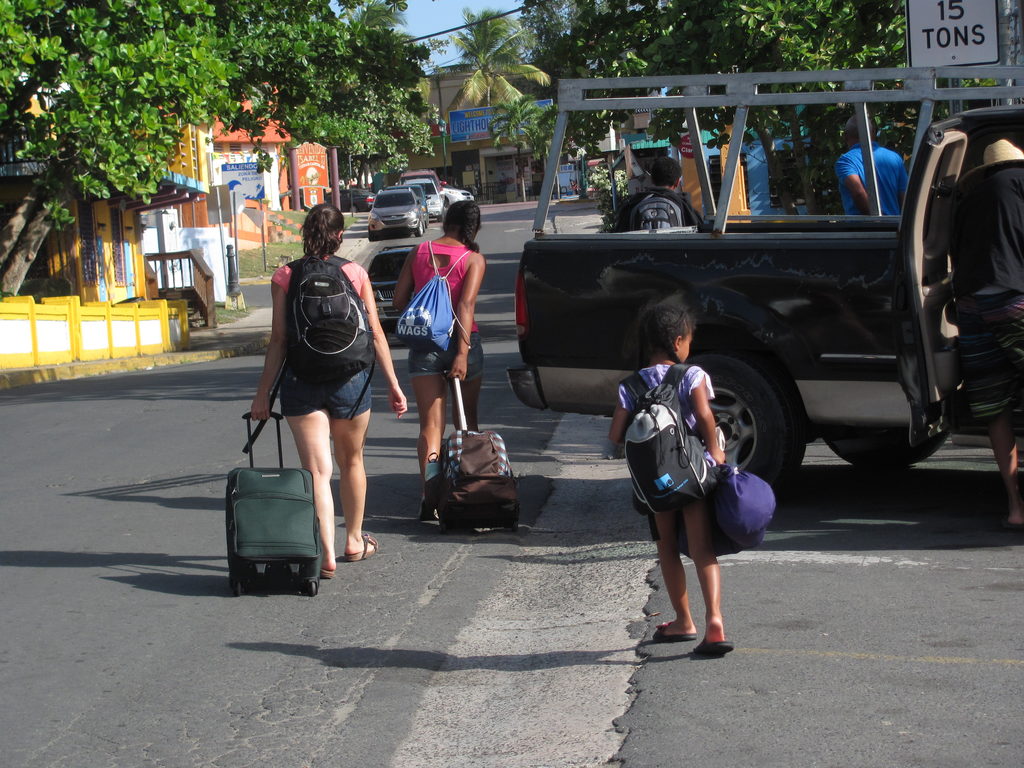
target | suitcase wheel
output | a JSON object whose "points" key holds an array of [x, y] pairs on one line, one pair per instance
{"points": [[237, 587], [312, 587]]}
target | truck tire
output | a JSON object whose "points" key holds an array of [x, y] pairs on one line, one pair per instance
{"points": [[882, 449], [759, 414]]}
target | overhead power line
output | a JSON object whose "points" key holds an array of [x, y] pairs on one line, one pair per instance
{"points": [[470, 24]]}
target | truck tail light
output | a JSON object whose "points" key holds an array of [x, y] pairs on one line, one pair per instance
{"points": [[522, 321]]}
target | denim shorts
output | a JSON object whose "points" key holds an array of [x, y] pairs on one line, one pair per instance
{"points": [[341, 399], [427, 363]]}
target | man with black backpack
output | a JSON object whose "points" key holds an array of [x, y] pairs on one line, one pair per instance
{"points": [[661, 207]]}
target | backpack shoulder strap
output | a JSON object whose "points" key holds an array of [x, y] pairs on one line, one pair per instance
{"points": [[674, 375], [339, 262], [635, 386], [292, 296], [433, 259]]}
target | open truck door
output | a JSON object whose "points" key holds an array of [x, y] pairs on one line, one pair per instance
{"points": [[926, 336], [926, 332]]}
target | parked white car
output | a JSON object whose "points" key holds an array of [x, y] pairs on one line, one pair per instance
{"points": [[454, 194], [435, 204]]}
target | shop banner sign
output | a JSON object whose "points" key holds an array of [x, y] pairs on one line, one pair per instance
{"points": [[474, 124], [244, 179]]}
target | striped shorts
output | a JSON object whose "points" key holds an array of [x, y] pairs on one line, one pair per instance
{"points": [[991, 350]]}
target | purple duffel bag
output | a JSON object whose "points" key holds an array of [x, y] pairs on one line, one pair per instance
{"points": [[743, 505]]}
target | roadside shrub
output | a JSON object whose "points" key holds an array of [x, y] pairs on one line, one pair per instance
{"points": [[600, 180]]}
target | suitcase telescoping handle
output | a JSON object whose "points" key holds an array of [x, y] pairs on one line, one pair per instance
{"points": [[460, 412], [252, 438], [247, 448]]}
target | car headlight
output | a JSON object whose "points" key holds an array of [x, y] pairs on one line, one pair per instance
{"points": [[374, 216]]}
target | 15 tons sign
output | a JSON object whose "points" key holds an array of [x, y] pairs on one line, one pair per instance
{"points": [[947, 32]]}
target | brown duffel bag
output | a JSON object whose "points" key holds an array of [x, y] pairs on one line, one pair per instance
{"points": [[477, 488]]}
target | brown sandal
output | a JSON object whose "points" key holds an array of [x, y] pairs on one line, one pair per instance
{"points": [[368, 541]]}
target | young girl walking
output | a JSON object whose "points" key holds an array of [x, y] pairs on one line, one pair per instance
{"points": [[665, 335]]}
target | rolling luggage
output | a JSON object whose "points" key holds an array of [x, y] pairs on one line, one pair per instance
{"points": [[273, 538], [476, 486]]}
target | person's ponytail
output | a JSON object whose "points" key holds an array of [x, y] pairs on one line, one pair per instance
{"points": [[320, 231]]}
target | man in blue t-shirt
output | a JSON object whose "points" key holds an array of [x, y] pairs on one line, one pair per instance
{"points": [[889, 170]]}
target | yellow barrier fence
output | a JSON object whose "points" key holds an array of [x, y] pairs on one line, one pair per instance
{"points": [[62, 329]]}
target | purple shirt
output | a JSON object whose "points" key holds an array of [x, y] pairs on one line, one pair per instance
{"points": [[693, 378]]}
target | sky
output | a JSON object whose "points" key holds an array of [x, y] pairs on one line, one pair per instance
{"points": [[424, 17]]}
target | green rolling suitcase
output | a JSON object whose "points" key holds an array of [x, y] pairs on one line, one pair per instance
{"points": [[273, 538]]}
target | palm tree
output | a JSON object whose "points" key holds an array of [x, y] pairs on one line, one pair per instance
{"points": [[513, 122], [492, 52], [541, 131], [377, 13]]}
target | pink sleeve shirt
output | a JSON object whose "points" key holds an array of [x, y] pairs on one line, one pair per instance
{"points": [[354, 272]]}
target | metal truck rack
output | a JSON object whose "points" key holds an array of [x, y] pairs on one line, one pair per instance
{"points": [[745, 90]]}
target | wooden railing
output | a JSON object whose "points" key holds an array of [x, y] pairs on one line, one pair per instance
{"points": [[184, 275]]}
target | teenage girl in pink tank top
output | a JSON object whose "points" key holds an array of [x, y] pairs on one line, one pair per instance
{"points": [[464, 359]]}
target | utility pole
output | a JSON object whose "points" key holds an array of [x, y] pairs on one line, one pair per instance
{"points": [[1009, 34]]}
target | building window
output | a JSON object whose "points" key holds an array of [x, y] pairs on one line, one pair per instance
{"points": [[87, 233]]}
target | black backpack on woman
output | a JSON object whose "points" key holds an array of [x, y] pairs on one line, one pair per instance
{"points": [[329, 335]]}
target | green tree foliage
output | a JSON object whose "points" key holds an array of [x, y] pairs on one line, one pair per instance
{"points": [[349, 81], [377, 13], [540, 131], [117, 80], [601, 181], [510, 124], [98, 93], [548, 30], [622, 38], [492, 52]]}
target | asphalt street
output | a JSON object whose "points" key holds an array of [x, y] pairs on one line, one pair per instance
{"points": [[878, 625]]}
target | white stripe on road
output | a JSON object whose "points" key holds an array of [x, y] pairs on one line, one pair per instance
{"points": [[538, 677], [816, 558]]}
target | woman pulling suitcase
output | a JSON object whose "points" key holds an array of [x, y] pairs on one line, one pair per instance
{"points": [[319, 412], [457, 255]]}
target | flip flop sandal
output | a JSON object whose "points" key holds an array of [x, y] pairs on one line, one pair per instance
{"points": [[713, 649], [661, 637], [326, 574], [368, 540]]}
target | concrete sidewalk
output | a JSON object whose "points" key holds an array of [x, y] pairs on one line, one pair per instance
{"points": [[247, 336]]}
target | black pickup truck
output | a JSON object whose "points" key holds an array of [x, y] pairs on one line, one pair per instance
{"points": [[837, 328]]}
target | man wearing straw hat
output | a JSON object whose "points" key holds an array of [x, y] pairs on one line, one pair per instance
{"points": [[987, 249]]}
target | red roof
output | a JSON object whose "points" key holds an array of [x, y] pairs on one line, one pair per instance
{"points": [[270, 135]]}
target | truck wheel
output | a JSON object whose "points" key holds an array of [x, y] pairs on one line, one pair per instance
{"points": [[883, 448], [761, 418]]}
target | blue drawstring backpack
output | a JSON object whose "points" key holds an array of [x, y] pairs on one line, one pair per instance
{"points": [[743, 505], [429, 320]]}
